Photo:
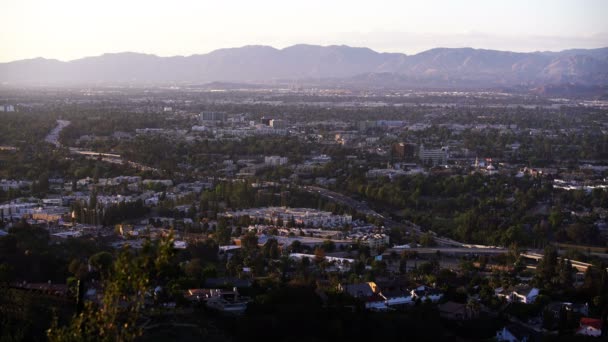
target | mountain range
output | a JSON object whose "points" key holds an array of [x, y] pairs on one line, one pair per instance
{"points": [[440, 67]]}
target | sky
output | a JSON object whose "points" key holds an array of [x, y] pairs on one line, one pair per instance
{"points": [[71, 29]]}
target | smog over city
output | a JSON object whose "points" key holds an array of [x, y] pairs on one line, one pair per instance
{"points": [[304, 171]]}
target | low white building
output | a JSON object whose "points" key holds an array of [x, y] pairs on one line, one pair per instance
{"points": [[5, 184], [425, 293], [524, 294], [301, 216], [275, 160], [373, 241], [341, 264]]}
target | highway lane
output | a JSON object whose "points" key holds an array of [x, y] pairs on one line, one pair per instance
{"points": [[448, 250], [366, 210], [53, 136]]}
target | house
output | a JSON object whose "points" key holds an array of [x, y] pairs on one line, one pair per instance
{"points": [[56, 290], [590, 327], [521, 293], [395, 292], [227, 282], [516, 333], [369, 293], [396, 300], [362, 290], [424, 292], [524, 294], [456, 311], [227, 251], [502, 293], [376, 302], [558, 313]]}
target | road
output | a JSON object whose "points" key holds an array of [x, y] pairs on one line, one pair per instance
{"points": [[344, 200], [449, 250], [53, 136], [112, 158], [579, 265], [366, 210]]}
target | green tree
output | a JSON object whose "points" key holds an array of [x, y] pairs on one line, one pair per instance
{"points": [[249, 242], [102, 262], [194, 269], [116, 318], [565, 274], [328, 246], [271, 249], [546, 270], [427, 240]]}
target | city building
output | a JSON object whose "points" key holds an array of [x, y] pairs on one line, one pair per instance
{"points": [[374, 241], [404, 151], [278, 123], [275, 160], [7, 108], [208, 117], [434, 157], [299, 216]]}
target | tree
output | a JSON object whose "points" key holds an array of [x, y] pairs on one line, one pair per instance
{"points": [[328, 246], [296, 246], [271, 249], [547, 267], [93, 200], [77, 268], [556, 217], [292, 222], [194, 268], [427, 240], [102, 262], [6, 273], [319, 255], [115, 319], [222, 232], [249, 242], [565, 271]]}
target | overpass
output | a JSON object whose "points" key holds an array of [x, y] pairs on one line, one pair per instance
{"points": [[579, 265]]}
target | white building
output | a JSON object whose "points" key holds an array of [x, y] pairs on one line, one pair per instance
{"points": [[390, 173], [206, 117], [5, 185], [278, 124], [375, 241], [7, 108], [320, 159], [275, 160], [341, 264], [434, 156], [301, 216], [424, 293], [524, 294]]}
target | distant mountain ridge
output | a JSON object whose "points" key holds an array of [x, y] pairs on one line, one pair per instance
{"points": [[440, 67]]}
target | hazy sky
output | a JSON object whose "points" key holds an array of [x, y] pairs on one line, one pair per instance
{"points": [[69, 29]]}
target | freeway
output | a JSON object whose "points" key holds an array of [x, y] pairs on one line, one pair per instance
{"points": [[449, 250], [53, 136], [579, 265], [366, 210], [344, 200]]}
